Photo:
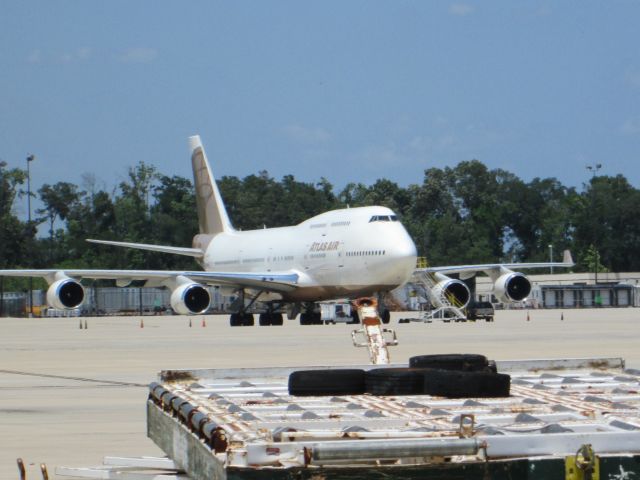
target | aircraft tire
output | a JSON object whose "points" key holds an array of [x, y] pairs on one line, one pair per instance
{"points": [[394, 381], [247, 320], [327, 382], [492, 367], [304, 319], [355, 318], [235, 320], [385, 316], [277, 319], [458, 384], [265, 319], [458, 362]]}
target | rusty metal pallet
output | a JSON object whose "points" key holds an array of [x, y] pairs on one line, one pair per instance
{"points": [[213, 422]]}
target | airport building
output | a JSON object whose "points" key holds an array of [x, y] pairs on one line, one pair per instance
{"points": [[577, 290], [563, 290]]}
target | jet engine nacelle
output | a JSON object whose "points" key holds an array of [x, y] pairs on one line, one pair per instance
{"points": [[452, 288], [512, 287], [65, 294], [190, 298]]}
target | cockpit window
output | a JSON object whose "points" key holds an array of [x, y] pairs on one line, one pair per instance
{"points": [[384, 218]]}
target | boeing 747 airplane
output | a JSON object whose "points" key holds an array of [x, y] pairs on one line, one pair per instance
{"points": [[347, 253]]}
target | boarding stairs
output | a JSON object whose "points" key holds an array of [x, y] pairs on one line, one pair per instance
{"points": [[445, 307]]}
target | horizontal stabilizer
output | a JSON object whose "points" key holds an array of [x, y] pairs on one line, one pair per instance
{"points": [[189, 252]]}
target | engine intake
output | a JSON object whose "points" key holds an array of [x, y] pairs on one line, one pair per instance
{"points": [[454, 290], [190, 298], [65, 294], [512, 287]]}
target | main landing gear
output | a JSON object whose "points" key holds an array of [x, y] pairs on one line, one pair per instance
{"points": [[245, 319], [242, 319], [270, 318], [310, 318]]}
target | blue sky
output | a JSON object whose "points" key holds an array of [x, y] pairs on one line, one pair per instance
{"points": [[349, 90]]}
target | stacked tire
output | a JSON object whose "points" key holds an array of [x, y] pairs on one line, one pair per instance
{"points": [[327, 382], [451, 376]]}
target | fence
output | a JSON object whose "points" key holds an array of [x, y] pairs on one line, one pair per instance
{"points": [[104, 301]]}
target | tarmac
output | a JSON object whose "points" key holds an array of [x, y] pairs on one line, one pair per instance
{"points": [[70, 396]]}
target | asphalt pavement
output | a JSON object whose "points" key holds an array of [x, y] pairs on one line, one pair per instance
{"points": [[70, 396]]}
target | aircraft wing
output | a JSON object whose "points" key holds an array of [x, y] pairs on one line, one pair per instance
{"points": [[272, 281], [491, 269]]}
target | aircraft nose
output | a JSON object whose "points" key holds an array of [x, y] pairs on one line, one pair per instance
{"points": [[403, 255], [406, 248], [402, 246]]}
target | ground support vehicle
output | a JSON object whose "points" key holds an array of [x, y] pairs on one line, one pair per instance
{"points": [[480, 311], [568, 418]]}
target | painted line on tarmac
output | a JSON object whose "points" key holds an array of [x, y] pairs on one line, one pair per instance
{"points": [[79, 379]]}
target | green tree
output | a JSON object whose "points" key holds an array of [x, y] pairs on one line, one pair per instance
{"points": [[173, 220], [17, 238], [537, 214], [590, 259], [13, 250], [58, 201], [606, 217]]}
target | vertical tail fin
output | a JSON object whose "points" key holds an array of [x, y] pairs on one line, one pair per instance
{"points": [[566, 257], [212, 215]]}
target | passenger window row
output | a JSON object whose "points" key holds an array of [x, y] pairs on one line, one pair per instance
{"points": [[384, 218], [366, 253]]}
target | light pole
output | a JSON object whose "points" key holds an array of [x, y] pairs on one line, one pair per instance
{"points": [[551, 258], [594, 171], [30, 158], [2, 165]]}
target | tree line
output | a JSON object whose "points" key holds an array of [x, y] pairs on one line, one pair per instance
{"points": [[457, 215]]}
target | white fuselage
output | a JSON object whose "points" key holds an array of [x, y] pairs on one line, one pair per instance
{"points": [[340, 253]]}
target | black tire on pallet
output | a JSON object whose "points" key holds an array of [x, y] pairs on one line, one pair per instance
{"points": [[327, 382], [394, 381], [465, 362], [458, 384], [492, 367]]}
